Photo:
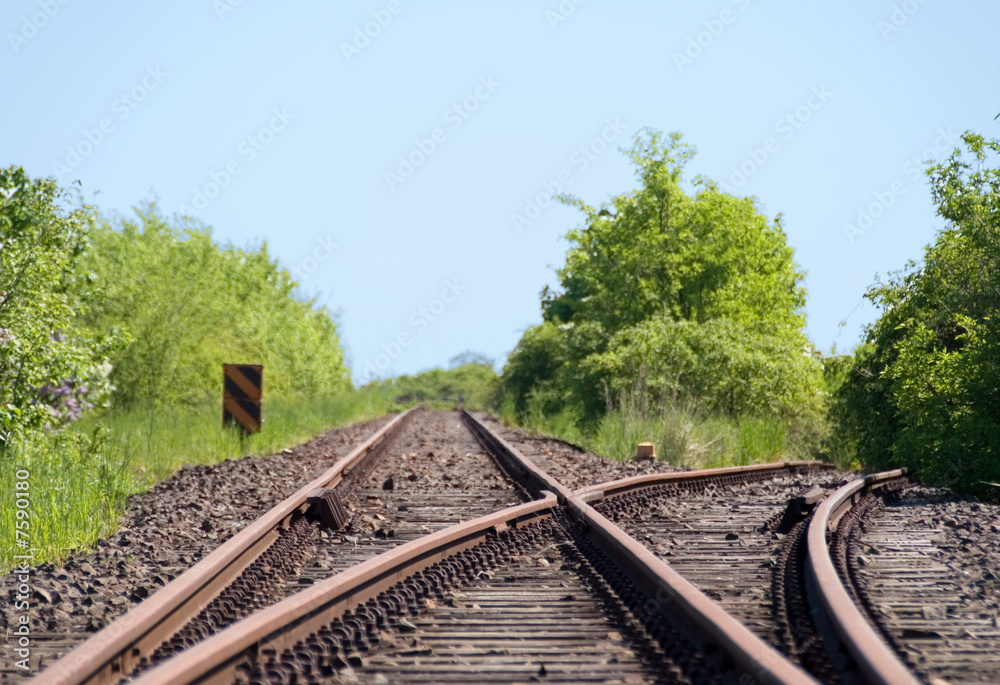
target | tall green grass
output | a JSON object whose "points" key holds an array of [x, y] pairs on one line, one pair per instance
{"points": [[77, 487], [157, 443], [80, 479], [682, 435]]}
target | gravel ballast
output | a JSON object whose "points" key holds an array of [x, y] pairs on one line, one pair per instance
{"points": [[163, 532]]}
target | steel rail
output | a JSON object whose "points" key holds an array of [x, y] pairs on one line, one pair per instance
{"points": [[112, 653], [876, 659], [689, 609], [672, 596], [283, 624], [520, 467], [594, 493], [677, 600], [731, 646]]}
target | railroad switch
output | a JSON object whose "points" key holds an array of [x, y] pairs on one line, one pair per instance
{"points": [[799, 508], [325, 506]]}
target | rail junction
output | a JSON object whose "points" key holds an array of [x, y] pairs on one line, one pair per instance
{"points": [[436, 551]]}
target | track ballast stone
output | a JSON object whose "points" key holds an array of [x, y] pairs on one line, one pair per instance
{"points": [[929, 564]]}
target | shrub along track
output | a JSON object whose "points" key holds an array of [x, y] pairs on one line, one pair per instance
{"points": [[924, 567]]}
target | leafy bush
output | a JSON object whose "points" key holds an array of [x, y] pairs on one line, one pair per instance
{"points": [[673, 299], [719, 365], [191, 305], [50, 370], [475, 382], [924, 393], [682, 435]]}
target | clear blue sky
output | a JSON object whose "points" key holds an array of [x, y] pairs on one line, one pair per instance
{"points": [[824, 105]]}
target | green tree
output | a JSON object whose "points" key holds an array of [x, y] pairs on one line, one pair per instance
{"points": [[925, 392], [191, 305], [663, 252], [50, 370], [473, 381], [470, 357], [680, 296]]}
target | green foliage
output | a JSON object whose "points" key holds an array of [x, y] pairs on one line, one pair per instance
{"points": [[475, 382], [840, 446], [534, 363], [50, 370], [925, 392], [677, 299], [77, 488], [191, 305], [470, 357], [720, 365], [156, 309], [663, 252]]}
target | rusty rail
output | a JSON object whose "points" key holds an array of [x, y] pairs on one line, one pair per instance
{"points": [[689, 609], [113, 652], [518, 465], [283, 624], [594, 493], [876, 660], [677, 600], [736, 650]]}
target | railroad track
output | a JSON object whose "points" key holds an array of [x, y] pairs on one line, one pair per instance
{"points": [[615, 583], [917, 601], [735, 537], [456, 558], [356, 510]]}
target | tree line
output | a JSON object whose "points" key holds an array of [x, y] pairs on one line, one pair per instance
{"points": [[673, 297]]}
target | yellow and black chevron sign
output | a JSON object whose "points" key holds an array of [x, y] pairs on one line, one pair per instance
{"points": [[242, 389]]}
